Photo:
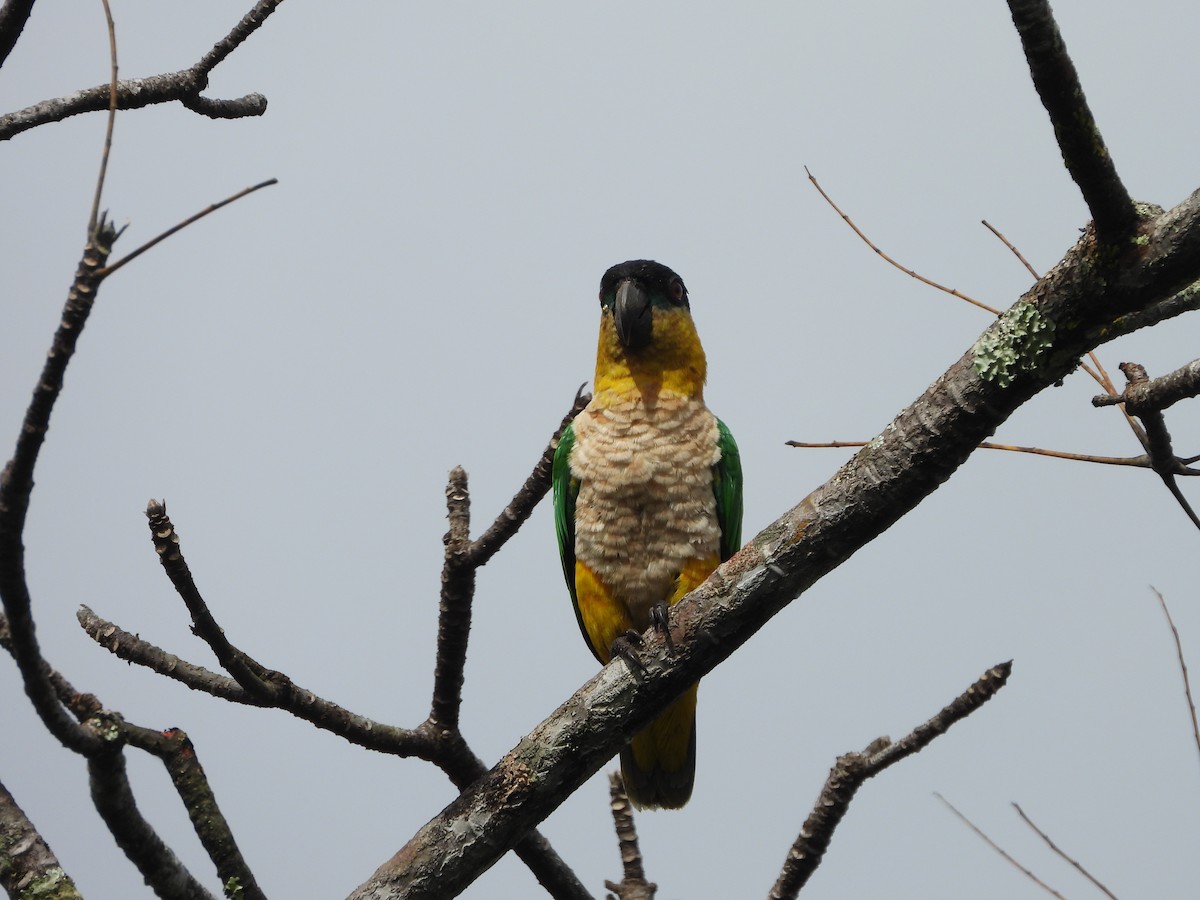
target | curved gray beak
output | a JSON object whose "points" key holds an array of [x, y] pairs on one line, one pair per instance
{"points": [[632, 315]]}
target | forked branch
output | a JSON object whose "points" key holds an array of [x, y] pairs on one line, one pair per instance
{"points": [[853, 769], [185, 86]]}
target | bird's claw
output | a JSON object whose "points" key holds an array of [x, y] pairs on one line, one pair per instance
{"points": [[626, 646], [660, 619]]}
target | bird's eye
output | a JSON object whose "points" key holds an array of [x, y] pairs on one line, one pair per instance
{"points": [[677, 291]]}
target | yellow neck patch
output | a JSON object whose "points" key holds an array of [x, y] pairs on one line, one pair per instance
{"points": [[672, 365]]}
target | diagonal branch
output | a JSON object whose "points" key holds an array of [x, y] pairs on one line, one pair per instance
{"points": [[1030, 347], [28, 867], [13, 16], [166, 544], [184, 86], [1079, 139], [1063, 855], [1004, 854], [853, 769], [531, 493], [178, 755]]}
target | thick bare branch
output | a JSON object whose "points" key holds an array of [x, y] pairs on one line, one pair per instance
{"points": [[114, 800], [179, 757], [16, 484], [1079, 139], [1031, 346], [13, 16], [454, 607], [852, 769], [28, 867], [185, 86]]}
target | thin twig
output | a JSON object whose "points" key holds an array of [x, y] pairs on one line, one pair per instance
{"points": [[112, 119], [852, 769], [104, 273], [1045, 887], [1065, 856], [907, 271], [1187, 685], [1009, 244], [530, 494], [1139, 462]]}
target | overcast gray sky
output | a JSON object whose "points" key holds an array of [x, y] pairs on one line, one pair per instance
{"points": [[297, 374]]}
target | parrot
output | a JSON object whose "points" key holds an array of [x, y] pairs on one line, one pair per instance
{"points": [[647, 487]]}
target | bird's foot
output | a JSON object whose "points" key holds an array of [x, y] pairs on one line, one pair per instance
{"points": [[627, 646], [660, 618]]}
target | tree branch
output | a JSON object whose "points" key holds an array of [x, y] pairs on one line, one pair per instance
{"points": [[1157, 393], [16, 485], [1078, 136], [454, 607], [633, 884], [13, 16], [114, 800], [1062, 855], [530, 494], [852, 769], [1183, 670], [184, 86], [1004, 854], [179, 757], [1158, 441], [28, 867], [1033, 345]]}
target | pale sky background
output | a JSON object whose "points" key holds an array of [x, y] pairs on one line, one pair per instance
{"points": [[297, 374]]}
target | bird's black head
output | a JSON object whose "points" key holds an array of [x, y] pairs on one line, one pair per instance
{"points": [[632, 290]]}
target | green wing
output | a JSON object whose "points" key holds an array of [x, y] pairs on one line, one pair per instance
{"points": [[727, 485], [566, 489]]}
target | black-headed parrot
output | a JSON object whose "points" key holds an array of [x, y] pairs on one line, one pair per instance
{"points": [[647, 498]]}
